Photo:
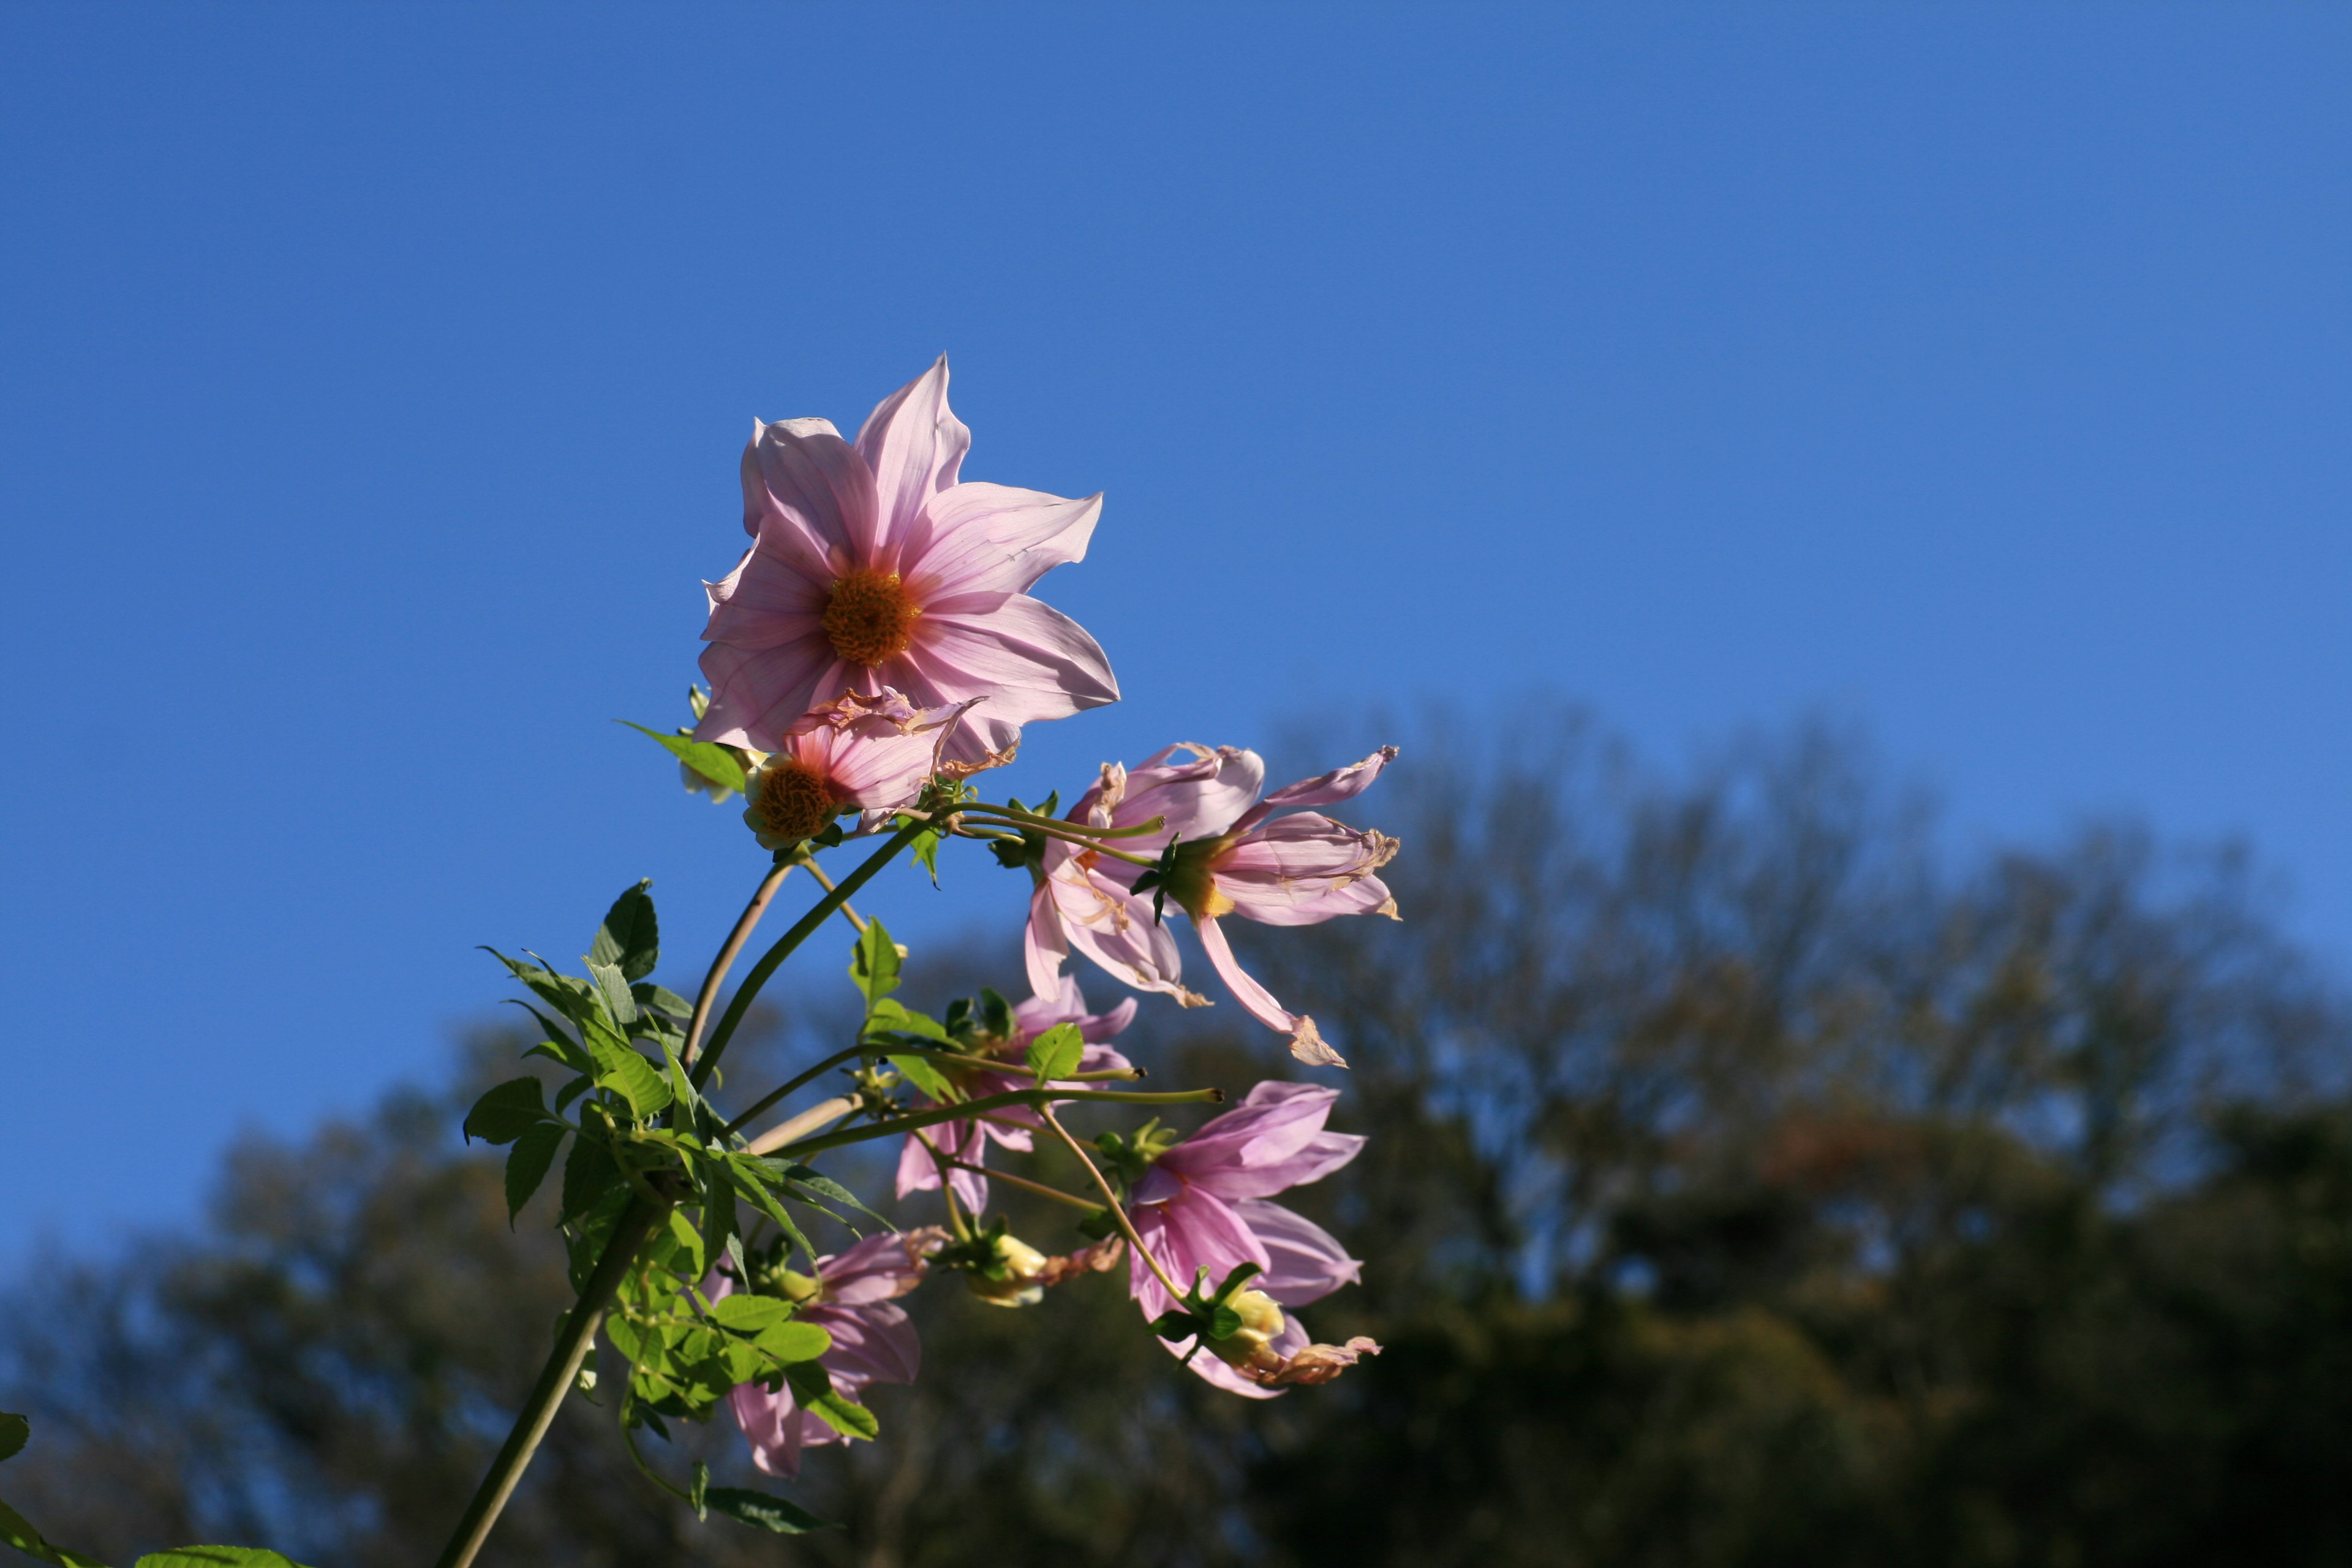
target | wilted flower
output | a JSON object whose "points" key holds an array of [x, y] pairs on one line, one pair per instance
{"points": [[873, 567], [853, 753], [1203, 1205], [852, 1299], [919, 1168], [1233, 856]]}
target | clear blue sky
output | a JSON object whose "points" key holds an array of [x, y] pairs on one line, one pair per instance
{"points": [[373, 379]]}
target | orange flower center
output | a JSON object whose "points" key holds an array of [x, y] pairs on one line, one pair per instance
{"points": [[794, 799], [870, 616]]}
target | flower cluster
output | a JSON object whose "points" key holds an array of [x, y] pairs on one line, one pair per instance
{"points": [[876, 648]]}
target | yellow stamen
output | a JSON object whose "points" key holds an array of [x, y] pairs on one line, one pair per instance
{"points": [[870, 616]]}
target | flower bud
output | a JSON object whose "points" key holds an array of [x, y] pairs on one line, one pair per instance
{"points": [[1014, 1280], [1261, 1321]]}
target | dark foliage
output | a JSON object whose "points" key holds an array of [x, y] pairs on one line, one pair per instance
{"points": [[1743, 1189]]}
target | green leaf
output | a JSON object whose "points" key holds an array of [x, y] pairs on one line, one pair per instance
{"points": [[712, 762], [630, 938], [613, 989], [216, 1557], [889, 1017], [622, 1068], [794, 1342], [1055, 1053], [751, 1177], [874, 963], [813, 1387], [13, 1430], [700, 1492], [20, 1534], [762, 1512], [661, 999], [927, 1078], [506, 1112], [750, 1315], [527, 1165], [589, 1176]]}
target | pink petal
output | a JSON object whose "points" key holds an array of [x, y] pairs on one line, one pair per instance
{"points": [[1199, 792], [876, 1269], [1247, 1150], [1190, 1232], [772, 1423], [1307, 1262], [873, 1343], [1303, 869], [1339, 783], [1043, 945], [1113, 928], [913, 446], [1306, 1042], [756, 697], [1030, 660], [813, 477], [980, 538]]}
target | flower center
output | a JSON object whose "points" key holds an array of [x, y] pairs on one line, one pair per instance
{"points": [[794, 799], [1193, 881], [870, 616]]}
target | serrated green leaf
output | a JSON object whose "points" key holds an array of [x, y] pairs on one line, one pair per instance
{"points": [[613, 989], [506, 1112], [14, 1431], [927, 1078], [874, 963], [630, 938], [528, 1163], [216, 1557], [888, 1017], [1055, 1053], [762, 1512], [661, 999], [589, 1176], [712, 762], [622, 1068]]}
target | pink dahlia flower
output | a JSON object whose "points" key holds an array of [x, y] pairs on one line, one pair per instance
{"points": [[1233, 857], [969, 1141], [873, 1342], [871, 565], [1202, 1204], [873, 755]]}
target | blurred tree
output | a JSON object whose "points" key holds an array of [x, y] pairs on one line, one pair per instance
{"points": [[1743, 1189]]}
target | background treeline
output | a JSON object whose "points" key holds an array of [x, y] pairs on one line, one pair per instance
{"points": [[1745, 1187]]}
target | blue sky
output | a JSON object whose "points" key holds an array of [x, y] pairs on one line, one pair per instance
{"points": [[373, 380]]}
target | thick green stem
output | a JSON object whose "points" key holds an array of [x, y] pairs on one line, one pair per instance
{"points": [[801, 930], [962, 1110], [571, 1347]]}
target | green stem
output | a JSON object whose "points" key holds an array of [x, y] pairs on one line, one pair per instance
{"points": [[1014, 814], [719, 964], [801, 930], [775, 1095], [1040, 1188], [969, 1108], [571, 1346]]}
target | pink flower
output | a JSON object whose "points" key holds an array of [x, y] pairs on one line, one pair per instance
{"points": [[873, 1342], [873, 567], [1233, 857], [869, 754], [1202, 1204], [969, 1141]]}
